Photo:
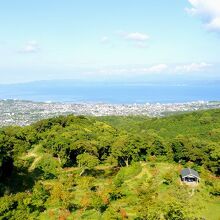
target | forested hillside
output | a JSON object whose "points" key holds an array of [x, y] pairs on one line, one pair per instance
{"points": [[78, 167]]}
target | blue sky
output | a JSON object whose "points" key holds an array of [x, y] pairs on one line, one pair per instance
{"points": [[109, 40]]}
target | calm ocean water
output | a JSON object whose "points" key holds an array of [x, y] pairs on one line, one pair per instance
{"points": [[68, 92]]}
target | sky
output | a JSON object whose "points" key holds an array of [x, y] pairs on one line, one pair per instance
{"points": [[94, 40]]}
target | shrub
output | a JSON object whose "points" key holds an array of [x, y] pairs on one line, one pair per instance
{"points": [[48, 165], [168, 178]]}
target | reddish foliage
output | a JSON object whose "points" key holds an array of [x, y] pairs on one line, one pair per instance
{"points": [[123, 214]]}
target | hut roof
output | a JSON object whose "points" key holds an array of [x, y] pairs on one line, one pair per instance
{"points": [[189, 172]]}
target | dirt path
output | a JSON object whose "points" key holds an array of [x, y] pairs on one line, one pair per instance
{"points": [[143, 172], [37, 157], [30, 154], [33, 165]]}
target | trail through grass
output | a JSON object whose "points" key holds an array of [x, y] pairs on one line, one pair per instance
{"points": [[37, 153]]}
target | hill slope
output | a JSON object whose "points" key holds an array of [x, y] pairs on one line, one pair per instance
{"points": [[110, 168]]}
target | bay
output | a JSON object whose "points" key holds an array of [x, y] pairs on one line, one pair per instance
{"points": [[111, 93]]}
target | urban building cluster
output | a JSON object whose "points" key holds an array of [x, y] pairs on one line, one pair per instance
{"points": [[18, 112]]}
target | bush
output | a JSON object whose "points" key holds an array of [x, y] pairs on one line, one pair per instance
{"points": [[215, 191], [48, 165], [168, 178]]}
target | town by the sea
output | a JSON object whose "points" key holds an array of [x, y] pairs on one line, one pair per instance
{"points": [[23, 104]]}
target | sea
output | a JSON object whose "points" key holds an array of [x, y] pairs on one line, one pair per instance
{"points": [[112, 93]]}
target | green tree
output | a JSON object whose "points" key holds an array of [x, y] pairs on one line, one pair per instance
{"points": [[87, 162], [125, 149]]}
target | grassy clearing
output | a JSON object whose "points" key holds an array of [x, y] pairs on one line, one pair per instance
{"points": [[164, 177], [211, 210]]}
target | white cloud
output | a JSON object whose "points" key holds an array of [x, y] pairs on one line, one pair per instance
{"points": [[193, 67], [162, 68], [157, 68], [136, 36], [208, 11], [214, 24], [104, 39], [30, 47]]}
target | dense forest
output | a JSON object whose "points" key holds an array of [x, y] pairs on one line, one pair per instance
{"points": [[76, 167]]}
